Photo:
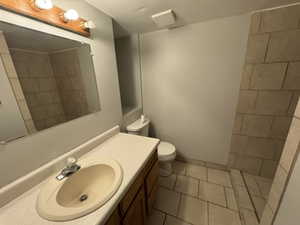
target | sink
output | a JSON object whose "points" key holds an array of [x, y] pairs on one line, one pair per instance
{"points": [[81, 193]]}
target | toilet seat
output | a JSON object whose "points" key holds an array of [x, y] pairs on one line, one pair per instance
{"points": [[166, 151]]}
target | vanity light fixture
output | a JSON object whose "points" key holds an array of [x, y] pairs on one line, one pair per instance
{"points": [[43, 4], [46, 11], [70, 15], [88, 25]]}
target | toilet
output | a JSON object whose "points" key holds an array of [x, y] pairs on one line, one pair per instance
{"points": [[166, 151]]}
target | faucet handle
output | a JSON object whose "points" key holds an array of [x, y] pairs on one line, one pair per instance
{"points": [[71, 161]]}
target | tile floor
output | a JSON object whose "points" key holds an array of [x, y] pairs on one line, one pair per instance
{"points": [[195, 195], [258, 188]]}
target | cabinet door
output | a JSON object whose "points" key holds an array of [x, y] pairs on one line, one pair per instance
{"points": [[151, 198], [152, 178], [114, 219], [136, 214], [130, 195]]}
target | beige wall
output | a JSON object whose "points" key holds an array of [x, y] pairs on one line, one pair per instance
{"points": [[288, 213], [127, 50], [24, 155], [12, 122], [269, 91], [284, 178], [17, 90], [38, 83], [190, 83]]}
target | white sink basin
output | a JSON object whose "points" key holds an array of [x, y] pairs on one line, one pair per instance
{"points": [[81, 193]]}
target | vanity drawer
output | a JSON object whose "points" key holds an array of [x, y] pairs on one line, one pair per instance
{"points": [[129, 197]]}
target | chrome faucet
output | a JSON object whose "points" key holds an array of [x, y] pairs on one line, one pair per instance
{"points": [[70, 169]]}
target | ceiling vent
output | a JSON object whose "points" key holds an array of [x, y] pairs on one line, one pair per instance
{"points": [[164, 19]]}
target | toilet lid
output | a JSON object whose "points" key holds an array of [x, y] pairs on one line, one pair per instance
{"points": [[165, 149]]}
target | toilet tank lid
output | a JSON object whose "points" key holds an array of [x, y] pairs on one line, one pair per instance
{"points": [[138, 125]]}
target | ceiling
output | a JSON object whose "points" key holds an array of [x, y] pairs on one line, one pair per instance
{"points": [[134, 15], [23, 38]]}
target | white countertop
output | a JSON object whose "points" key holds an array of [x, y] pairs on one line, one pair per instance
{"points": [[130, 151]]}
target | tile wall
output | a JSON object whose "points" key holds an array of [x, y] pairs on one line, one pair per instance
{"points": [[39, 86], [70, 85], [15, 84], [269, 91]]}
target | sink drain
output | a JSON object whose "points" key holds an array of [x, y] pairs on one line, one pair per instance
{"points": [[83, 198]]}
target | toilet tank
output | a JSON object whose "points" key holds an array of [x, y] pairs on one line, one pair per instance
{"points": [[139, 128]]}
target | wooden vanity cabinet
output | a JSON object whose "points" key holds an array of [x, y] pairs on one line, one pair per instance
{"points": [[136, 214], [151, 184], [114, 219], [138, 201]]}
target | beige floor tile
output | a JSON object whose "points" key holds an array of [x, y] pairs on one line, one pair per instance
{"points": [[212, 192], [222, 216], [193, 210], [187, 185], [249, 217], [167, 201], [264, 187], [259, 204], [196, 171], [267, 217], [243, 199], [230, 197], [252, 184], [237, 177], [167, 182], [263, 179], [179, 168], [254, 192], [219, 177], [174, 221], [156, 218], [216, 166]]}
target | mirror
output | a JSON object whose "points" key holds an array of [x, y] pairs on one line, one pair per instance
{"points": [[45, 80]]}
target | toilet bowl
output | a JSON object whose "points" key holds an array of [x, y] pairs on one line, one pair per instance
{"points": [[166, 155], [166, 152]]}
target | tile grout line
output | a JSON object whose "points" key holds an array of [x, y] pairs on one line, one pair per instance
{"points": [[168, 214], [284, 78], [226, 197], [178, 206], [235, 192], [165, 219], [207, 207], [248, 192]]}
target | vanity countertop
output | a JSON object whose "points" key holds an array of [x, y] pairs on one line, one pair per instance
{"points": [[130, 151]]}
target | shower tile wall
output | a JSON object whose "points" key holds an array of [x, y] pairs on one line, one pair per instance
{"points": [[269, 91], [69, 80], [39, 87]]}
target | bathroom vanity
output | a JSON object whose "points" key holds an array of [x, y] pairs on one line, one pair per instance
{"points": [[138, 201], [131, 203]]}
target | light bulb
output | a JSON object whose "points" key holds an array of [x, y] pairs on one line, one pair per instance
{"points": [[71, 14], [43, 4], [89, 25]]}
